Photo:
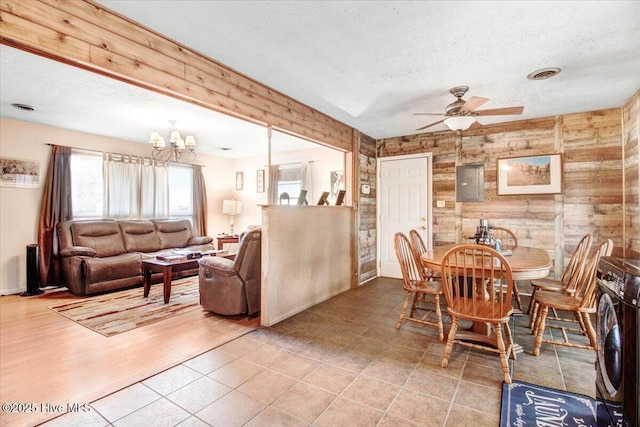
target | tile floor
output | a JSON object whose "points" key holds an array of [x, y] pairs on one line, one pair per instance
{"points": [[340, 363]]}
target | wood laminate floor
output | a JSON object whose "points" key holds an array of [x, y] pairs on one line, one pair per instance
{"points": [[46, 359]]}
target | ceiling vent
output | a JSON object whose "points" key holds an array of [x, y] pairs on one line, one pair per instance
{"points": [[544, 73], [23, 107]]}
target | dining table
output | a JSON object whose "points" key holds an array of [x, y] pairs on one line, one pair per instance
{"points": [[527, 263]]}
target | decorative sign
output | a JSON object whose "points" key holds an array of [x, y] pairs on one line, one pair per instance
{"points": [[260, 181], [337, 182]]}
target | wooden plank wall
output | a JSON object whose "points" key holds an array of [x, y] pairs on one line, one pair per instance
{"points": [[592, 198], [631, 128], [367, 234], [87, 35]]}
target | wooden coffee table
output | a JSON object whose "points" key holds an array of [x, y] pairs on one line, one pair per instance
{"points": [[226, 239], [167, 269]]}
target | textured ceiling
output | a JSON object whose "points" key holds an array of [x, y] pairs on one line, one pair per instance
{"points": [[372, 65]]}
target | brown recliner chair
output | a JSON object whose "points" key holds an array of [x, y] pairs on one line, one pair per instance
{"points": [[232, 287]]}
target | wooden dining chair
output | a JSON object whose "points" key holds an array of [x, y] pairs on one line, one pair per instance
{"points": [[508, 239], [469, 277], [418, 289], [570, 276], [582, 304], [420, 248]]}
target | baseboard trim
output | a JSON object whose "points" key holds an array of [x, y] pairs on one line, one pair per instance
{"points": [[12, 291]]}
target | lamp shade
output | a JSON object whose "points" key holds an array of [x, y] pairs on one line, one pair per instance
{"points": [[459, 123], [231, 207], [174, 137], [156, 140], [190, 141]]}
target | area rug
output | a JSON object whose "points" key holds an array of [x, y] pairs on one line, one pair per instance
{"points": [[525, 404], [117, 312]]}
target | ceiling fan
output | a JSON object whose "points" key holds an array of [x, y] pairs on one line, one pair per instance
{"points": [[460, 115]]}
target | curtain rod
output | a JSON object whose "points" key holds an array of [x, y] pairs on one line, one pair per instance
{"points": [[120, 154], [292, 163]]}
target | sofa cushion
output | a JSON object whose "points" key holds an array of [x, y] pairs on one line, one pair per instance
{"points": [[103, 236], [139, 236], [111, 268], [173, 233]]}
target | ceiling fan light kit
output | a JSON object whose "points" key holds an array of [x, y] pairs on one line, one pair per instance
{"points": [[460, 123], [460, 115]]}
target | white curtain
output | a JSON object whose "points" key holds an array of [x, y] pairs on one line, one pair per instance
{"points": [[135, 187], [154, 188], [306, 179], [122, 183]]}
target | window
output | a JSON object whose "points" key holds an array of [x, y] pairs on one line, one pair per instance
{"points": [[180, 191], [150, 193], [87, 188], [289, 181]]}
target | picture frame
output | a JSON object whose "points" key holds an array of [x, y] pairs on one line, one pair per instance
{"points": [[19, 173], [239, 180], [529, 175], [260, 180], [302, 198], [323, 199]]}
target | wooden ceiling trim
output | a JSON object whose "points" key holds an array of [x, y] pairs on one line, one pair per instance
{"points": [[208, 98], [39, 38], [261, 98], [91, 37]]}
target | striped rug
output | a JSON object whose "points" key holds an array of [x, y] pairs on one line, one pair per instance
{"points": [[116, 312]]}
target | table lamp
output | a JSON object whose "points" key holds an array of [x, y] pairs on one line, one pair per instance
{"points": [[231, 208]]}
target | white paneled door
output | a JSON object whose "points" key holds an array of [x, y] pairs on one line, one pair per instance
{"points": [[404, 204]]}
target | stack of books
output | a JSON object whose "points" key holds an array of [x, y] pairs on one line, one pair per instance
{"points": [[172, 258]]}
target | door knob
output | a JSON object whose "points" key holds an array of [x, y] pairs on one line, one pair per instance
{"points": [[423, 228], [423, 219]]}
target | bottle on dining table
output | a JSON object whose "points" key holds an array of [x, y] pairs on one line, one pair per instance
{"points": [[483, 236]]}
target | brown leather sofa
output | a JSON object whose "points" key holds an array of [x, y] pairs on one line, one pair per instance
{"points": [[104, 255], [232, 287]]}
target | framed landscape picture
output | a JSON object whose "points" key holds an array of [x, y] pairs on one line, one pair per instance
{"points": [[19, 173], [530, 175]]}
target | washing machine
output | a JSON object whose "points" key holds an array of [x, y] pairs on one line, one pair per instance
{"points": [[617, 328]]}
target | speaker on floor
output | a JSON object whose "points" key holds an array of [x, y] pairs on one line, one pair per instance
{"points": [[33, 272]]}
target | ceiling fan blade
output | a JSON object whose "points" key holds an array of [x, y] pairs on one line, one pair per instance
{"points": [[432, 124], [507, 111], [428, 114], [473, 103]]}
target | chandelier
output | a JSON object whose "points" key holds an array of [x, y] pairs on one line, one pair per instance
{"points": [[179, 150]]}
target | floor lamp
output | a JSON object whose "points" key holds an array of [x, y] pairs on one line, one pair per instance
{"points": [[231, 208]]}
